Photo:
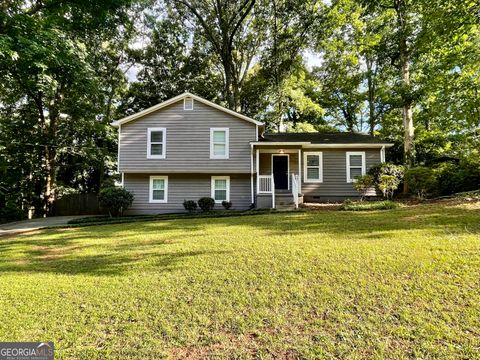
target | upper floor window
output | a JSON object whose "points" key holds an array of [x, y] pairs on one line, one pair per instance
{"points": [[313, 167], [158, 189], [221, 188], [156, 144], [188, 103], [219, 143], [355, 165]]}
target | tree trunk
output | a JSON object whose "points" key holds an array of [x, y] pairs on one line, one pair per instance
{"points": [[407, 108], [50, 185], [371, 96], [51, 152], [407, 113], [227, 66]]}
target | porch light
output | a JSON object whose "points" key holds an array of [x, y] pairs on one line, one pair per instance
{"points": [[281, 151]]}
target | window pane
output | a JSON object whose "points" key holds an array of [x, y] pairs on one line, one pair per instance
{"points": [[355, 160], [156, 136], [313, 173], [156, 149], [158, 195], [158, 184], [220, 195], [313, 160], [355, 172], [219, 149], [220, 184], [219, 137]]}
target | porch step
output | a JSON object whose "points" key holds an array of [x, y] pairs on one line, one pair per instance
{"points": [[284, 201]]}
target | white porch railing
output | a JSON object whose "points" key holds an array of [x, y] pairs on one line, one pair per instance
{"points": [[265, 184], [295, 189]]}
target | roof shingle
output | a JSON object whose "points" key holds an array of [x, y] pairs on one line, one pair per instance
{"points": [[323, 138]]}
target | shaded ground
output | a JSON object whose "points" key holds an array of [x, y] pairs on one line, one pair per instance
{"points": [[318, 284]]}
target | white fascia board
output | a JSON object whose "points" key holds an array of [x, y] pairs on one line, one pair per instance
{"points": [[309, 145], [178, 98]]}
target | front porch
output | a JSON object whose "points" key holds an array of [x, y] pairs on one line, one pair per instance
{"points": [[278, 177]]}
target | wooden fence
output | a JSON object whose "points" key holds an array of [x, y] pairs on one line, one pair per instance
{"points": [[77, 204]]}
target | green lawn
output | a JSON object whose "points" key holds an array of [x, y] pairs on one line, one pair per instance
{"points": [[389, 284]]}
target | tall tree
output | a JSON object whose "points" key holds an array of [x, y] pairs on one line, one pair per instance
{"points": [[228, 26], [47, 62], [174, 61], [293, 101]]}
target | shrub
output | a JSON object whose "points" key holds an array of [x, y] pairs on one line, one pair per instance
{"points": [[421, 181], [387, 177], [190, 205], [387, 185], [363, 184], [226, 204], [455, 178], [387, 169], [115, 200], [11, 212], [206, 203], [349, 205]]}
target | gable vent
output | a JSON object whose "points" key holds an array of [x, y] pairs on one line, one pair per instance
{"points": [[188, 103]]}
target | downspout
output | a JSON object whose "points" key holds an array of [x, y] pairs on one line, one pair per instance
{"points": [[251, 173]]}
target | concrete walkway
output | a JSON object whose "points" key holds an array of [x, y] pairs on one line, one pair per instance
{"points": [[34, 224]]}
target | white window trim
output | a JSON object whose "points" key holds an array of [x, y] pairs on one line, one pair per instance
{"points": [[320, 167], [185, 104], [364, 166], [149, 143], [227, 143], [150, 191], [213, 187]]}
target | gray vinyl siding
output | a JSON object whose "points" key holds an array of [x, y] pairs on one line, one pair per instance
{"points": [[335, 184], [184, 187], [187, 141]]}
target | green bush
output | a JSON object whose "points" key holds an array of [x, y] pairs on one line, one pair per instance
{"points": [[206, 204], [11, 212], [455, 178], [226, 204], [387, 185], [363, 184], [190, 205], [421, 181], [115, 200], [387, 169], [349, 205]]}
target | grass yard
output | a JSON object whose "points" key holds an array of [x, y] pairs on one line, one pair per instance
{"points": [[402, 283]]}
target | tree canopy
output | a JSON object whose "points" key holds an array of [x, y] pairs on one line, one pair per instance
{"points": [[401, 69]]}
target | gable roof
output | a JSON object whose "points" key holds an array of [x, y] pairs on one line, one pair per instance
{"points": [[340, 138], [178, 98]]}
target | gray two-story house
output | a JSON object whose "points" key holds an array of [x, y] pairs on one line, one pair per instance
{"points": [[187, 148]]}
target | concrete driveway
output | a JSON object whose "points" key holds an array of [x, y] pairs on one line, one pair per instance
{"points": [[34, 224]]}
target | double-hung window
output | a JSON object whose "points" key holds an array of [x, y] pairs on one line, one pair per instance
{"points": [[221, 188], [313, 167], [219, 139], [158, 189], [355, 165], [156, 143]]}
